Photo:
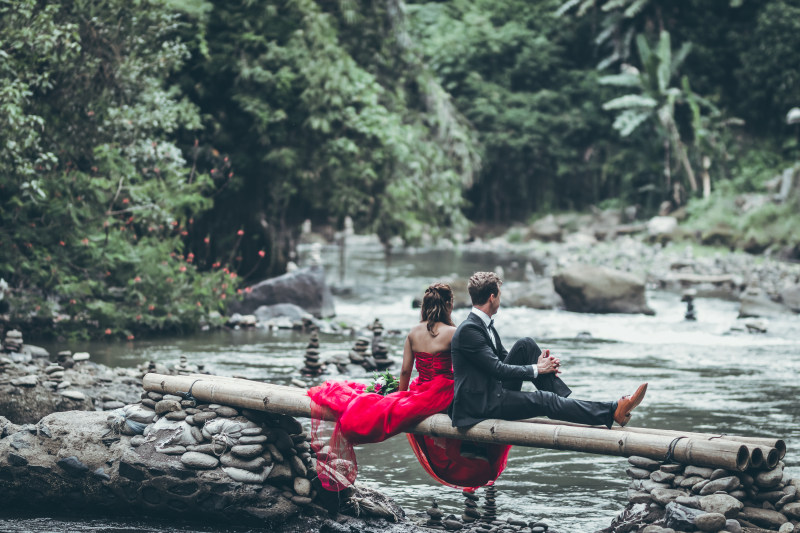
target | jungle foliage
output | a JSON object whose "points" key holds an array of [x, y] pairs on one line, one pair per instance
{"points": [[153, 153]]}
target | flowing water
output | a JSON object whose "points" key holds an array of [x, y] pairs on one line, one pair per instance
{"points": [[703, 377]]}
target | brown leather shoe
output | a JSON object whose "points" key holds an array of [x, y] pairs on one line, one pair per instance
{"points": [[626, 404]]}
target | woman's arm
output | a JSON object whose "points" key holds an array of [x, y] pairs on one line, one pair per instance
{"points": [[408, 364]]}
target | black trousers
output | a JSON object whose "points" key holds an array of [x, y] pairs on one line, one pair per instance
{"points": [[550, 399]]}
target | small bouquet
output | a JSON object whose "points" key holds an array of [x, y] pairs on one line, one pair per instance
{"points": [[384, 384]]}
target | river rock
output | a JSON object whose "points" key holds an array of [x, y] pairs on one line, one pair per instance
{"points": [[280, 473], [202, 418], [198, 460], [166, 406], [25, 381], [700, 471], [679, 517], [662, 477], [593, 289], [733, 526], [297, 466], [689, 501], [302, 486], [644, 462], [755, 303], [247, 451], [276, 454], [254, 439], [767, 479], [305, 287], [246, 476], [792, 510], [226, 411], [253, 465], [665, 496], [73, 395], [73, 466], [710, 522], [688, 482], [788, 527], [765, 518], [724, 484], [721, 503], [637, 473]]}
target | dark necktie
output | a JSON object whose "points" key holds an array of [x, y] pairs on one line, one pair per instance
{"points": [[492, 332]]}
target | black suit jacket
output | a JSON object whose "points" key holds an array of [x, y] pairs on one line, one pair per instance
{"points": [[478, 371]]}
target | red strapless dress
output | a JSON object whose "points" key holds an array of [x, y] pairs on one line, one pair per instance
{"points": [[366, 417]]}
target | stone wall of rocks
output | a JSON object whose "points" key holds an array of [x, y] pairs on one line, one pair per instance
{"points": [[664, 498], [167, 456]]}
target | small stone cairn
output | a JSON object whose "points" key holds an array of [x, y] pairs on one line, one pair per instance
{"points": [[380, 352], [313, 366], [688, 297], [13, 341], [671, 497], [490, 505], [360, 356], [435, 516], [471, 512]]}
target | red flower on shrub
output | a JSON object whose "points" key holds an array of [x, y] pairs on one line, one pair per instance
{"points": [[108, 331], [262, 253], [240, 232], [183, 268]]}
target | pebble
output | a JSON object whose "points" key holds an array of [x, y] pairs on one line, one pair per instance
{"points": [[226, 411], [177, 416], [137, 440], [80, 356], [202, 418], [276, 455], [302, 486], [250, 432], [721, 503], [206, 448], [247, 451], [171, 450], [73, 466], [166, 406], [770, 478], [724, 484], [25, 381], [788, 527], [74, 395], [701, 471], [254, 465], [254, 439], [644, 462], [199, 460], [245, 476], [710, 522], [637, 473], [108, 406]]}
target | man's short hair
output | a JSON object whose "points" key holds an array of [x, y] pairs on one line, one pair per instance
{"points": [[482, 285]]}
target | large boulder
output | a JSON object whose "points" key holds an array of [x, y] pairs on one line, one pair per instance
{"points": [[755, 302], [546, 229], [593, 289], [305, 287], [539, 294]]}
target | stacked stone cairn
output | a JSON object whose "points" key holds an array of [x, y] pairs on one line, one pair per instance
{"points": [[183, 368], [313, 366], [434, 516], [490, 505], [248, 446], [672, 497], [471, 512], [380, 352], [360, 356], [13, 341]]}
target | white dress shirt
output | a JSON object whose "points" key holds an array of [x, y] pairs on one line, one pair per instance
{"points": [[486, 319]]}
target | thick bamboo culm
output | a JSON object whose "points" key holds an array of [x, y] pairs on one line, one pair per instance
{"points": [[764, 452], [295, 402]]}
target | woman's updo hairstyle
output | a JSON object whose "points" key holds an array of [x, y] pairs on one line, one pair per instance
{"points": [[437, 305]]}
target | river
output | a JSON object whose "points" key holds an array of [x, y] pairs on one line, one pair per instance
{"points": [[707, 376]]}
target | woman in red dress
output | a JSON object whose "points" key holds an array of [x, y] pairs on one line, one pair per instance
{"points": [[364, 417]]}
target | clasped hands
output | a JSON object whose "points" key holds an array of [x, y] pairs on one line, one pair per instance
{"points": [[548, 364]]}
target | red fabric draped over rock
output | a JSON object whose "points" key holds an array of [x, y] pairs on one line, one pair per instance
{"points": [[364, 417]]}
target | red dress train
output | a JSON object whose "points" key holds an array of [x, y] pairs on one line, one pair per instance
{"points": [[364, 417]]}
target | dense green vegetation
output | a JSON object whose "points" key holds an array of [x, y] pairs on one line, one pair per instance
{"points": [[154, 153]]}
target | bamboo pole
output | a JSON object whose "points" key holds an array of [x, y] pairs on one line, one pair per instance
{"points": [[295, 402], [770, 450]]}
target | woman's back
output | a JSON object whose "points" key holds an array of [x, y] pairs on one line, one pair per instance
{"points": [[432, 353]]}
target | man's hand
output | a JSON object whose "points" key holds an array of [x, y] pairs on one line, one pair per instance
{"points": [[548, 364]]}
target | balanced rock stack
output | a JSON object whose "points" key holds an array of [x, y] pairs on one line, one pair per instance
{"points": [[688, 498], [247, 446], [471, 512], [13, 341], [434, 516], [490, 505], [183, 368], [54, 377], [313, 366], [380, 352], [360, 356]]}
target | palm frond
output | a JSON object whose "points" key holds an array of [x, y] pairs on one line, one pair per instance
{"points": [[566, 6], [664, 60], [630, 101], [611, 5], [627, 121], [635, 8], [621, 80]]}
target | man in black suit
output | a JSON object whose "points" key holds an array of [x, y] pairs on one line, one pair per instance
{"points": [[488, 379]]}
